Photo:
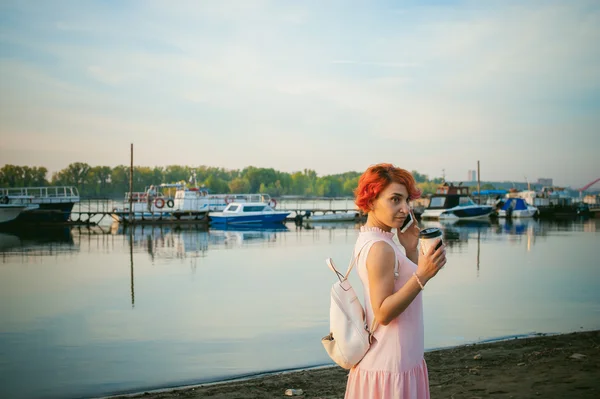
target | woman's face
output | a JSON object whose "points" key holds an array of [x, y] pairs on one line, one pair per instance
{"points": [[391, 206]]}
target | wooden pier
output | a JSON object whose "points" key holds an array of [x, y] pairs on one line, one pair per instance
{"points": [[93, 211]]}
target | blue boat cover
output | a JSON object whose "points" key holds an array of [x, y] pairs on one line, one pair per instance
{"points": [[517, 204]]}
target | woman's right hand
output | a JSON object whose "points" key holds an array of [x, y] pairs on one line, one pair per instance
{"points": [[431, 263]]}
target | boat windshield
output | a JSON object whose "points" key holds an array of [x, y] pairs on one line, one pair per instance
{"points": [[437, 202], [465, 201]]}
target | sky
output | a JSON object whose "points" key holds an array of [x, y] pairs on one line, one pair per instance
{"points": [[333, 86]]}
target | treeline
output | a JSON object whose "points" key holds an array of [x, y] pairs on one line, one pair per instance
{"points": [[104, 181]]}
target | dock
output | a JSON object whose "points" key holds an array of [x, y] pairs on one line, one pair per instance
{"points": [[95, 210]]}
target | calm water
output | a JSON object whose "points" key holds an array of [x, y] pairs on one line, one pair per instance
{"points": [[90, 312]]}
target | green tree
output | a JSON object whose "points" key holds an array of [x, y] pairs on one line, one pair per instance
{"points": [[176, 173], [298, 184], [76, 174], [419, 178], [119, 179], [258, 176], [38, 176], [216, 185], [100, 179], [350, 185], [239, 185]]}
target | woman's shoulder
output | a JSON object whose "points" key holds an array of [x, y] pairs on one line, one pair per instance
{"points": [[368, 244]]}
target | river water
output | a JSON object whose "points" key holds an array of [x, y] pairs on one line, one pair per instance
{"points": [[103, 310]]}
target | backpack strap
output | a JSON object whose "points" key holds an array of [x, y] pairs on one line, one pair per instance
{"points": [[342, 278], [355, 259]]}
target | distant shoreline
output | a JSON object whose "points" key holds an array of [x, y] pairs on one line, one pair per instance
{"points": [[546, 358]]}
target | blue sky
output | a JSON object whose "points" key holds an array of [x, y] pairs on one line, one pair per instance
{"points": [[327, 85]]}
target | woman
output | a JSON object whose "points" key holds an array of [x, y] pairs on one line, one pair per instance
{"points": [[394, 366]]}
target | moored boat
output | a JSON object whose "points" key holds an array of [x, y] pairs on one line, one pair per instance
{"points": [[10, 212], [453, 202], [159, 204], [517, 208], [53, 204], [249, 212]]}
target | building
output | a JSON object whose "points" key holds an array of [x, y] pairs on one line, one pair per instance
{"points": [[592, 199], [472, 175], [545, 182]]}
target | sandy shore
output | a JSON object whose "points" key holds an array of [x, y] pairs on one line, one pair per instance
{"points": [[560, 366]]}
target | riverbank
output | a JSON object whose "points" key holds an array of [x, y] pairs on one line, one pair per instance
{"points": [[550, 367]]}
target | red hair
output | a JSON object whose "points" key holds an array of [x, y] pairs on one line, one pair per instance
{"points": [[376, 178]]}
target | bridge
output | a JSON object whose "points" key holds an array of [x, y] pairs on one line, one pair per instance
{"points": [[590, 184]]}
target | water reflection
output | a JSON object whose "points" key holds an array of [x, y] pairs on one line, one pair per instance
{"points": [[165, 242], [36, 242], [232, 236], [456, 234]]}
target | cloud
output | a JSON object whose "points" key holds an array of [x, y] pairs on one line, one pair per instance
{"points": [[471, 79], [377, 64]]}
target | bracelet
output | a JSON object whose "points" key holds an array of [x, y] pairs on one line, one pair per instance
{"points": [[419, 281]]}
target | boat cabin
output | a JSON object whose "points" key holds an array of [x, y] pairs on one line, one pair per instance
{"points": [[448, 196], [239, 208]]}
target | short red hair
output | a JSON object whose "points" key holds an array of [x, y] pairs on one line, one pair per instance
{"points": [[376, 178]]}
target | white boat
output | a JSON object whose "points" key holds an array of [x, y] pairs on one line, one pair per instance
{"points": [[53, 204], [453, 202], [249, 212], [517, 208], [349, 216], [10, 212], [157, 204]]}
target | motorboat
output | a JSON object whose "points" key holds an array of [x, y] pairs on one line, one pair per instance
{"points": [[178, 203], [517, 208], [248, 212], [453, 202]]}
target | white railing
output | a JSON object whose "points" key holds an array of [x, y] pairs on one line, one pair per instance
{"points": [[40, 194]]}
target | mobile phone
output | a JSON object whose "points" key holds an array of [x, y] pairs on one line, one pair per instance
{"points": [[407, 222]]}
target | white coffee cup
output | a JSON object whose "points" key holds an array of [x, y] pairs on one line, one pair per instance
{"points": [[430, 237]]}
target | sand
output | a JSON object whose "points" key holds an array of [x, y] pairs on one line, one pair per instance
{"points": [[557, 366]]}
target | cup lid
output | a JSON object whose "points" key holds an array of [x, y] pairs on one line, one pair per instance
{"points": [[430, 232]]}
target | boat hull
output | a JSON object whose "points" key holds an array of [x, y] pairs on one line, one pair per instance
{"points": [[9, 213], [246, 219], [432, 214], [47, 213], [525, 213], [467, 213]]}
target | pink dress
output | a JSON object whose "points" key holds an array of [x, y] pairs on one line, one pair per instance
{"points": [[394, 366]]}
